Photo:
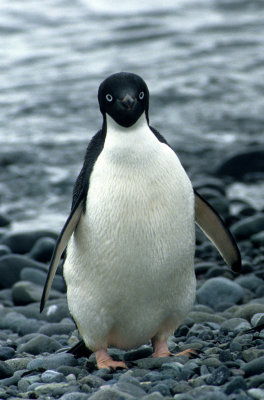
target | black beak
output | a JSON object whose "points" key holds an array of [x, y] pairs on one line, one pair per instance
{"points": [[128, 102]]}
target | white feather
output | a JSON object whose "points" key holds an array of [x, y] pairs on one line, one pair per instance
{"points": [[129, 265]]}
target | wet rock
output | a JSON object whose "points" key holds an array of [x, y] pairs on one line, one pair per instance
{"points": [[242, 163], [57, 328], [74, 396], [130, 388], [247, 227], [5, 370], [43, 249], [4, 250], [250, 282], [254, 367], [111, 394], [200, 316], [236, 325], [11, 267], [24, 292], [138, 353], [219, 376], [51, 376], [236, 384], [257, 394], [54, 389], [247, 311], [20, 324], [219, 290], [22, 242], [39, 277], [40, 344], [257, 319], [4, 220], [6, 353], [52, 362]]}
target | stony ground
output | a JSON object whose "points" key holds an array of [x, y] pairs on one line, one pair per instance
{"points": [[229, 362]]}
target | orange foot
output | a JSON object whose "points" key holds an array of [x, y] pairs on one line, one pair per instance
{"points": [[103, 360], [161, 350]]}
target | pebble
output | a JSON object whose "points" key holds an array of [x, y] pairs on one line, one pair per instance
{"points": [[218, 290], [229, 362], [40, 344]]}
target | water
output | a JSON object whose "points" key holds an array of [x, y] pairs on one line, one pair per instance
{"points": [[202, 60]]}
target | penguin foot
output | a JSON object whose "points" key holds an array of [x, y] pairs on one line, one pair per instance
{"points": [[103, 360], [161, 350]]}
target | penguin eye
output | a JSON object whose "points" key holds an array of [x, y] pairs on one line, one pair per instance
{"points": [[141, 95], [109, 97]]}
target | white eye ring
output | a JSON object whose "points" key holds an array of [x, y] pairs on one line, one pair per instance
{"points": [[141, 95], [109, 97]]}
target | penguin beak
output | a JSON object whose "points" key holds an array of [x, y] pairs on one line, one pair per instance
{"points": [[128, 102]]}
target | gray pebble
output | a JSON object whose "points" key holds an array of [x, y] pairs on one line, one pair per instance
{"points": [[218, 290], [51, 376], [57, 328], [54, 389], [20, 324], [161, 388], [53, 362], [25, 292], [40, 344], [6, 353], [249, 226], [92, 381], [236, 384], [249, 281], [4, 250], [43, 249], [110, 393], [236, 324], [39, 277], [22, 242], [11, 266], [55, 310], [247, 311], [257, 319], [74, 396], [5, 370], [130, 388], [219, 376], [254, 367], [26, 381], [257, 394]]}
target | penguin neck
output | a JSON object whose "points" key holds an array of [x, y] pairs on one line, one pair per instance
{"points": [[128, 143]]}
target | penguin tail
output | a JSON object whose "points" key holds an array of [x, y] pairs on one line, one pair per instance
{"points": [[80, 350]]}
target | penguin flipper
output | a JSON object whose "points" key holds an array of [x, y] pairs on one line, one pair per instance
{"points": [[215, 229], [61, 244]]}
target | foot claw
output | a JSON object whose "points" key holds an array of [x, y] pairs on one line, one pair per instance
{"points": [[188, 353], [111, 364]]}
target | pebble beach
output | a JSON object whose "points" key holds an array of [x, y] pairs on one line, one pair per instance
{"points": [[230, 360]]}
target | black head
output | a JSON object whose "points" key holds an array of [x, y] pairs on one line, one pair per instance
{"points": [[124, 96]]}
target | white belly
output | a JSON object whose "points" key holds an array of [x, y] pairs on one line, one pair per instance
{"points": [[129, 265]]}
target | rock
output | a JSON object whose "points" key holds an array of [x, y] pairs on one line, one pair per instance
{"points": [[219, 376], [6, 353], [130, 388], [200, 316], [239, 164], [161, 388], [4, 250], [4, 221], [74, 396], [110, 393], [55, 312], [254, 367], [52, 362], [219, 290], [258, 239], [92, 381], [256, 393], [40, 344], [138, 353], [11, 266], [236, 324], [20, 324], [39, 277], [22, 242], [54, 389], [67, 370], [57, 328], [18, 364], [249, 226], [257, 319], [43, 249], [236, 384], [24, 292], [51, 376], [247, 311], [250, 282], [5, 370], [251, 354]]}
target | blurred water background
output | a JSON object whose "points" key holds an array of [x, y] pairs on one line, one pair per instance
{"points": [[203, 61]]}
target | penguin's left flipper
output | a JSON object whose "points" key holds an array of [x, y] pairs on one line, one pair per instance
{"points": [[61, 244], [215, 229]]}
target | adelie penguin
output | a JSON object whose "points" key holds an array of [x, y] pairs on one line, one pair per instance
{"points": [[130, 235]]}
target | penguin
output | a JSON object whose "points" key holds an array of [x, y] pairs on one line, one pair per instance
{"points": [[130, 235]]}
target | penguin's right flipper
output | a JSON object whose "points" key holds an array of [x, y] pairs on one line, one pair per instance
{"points": [[61, 244], [215, 229]]}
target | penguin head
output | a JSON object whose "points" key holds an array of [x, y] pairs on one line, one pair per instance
{"points": [[125, 97]]}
